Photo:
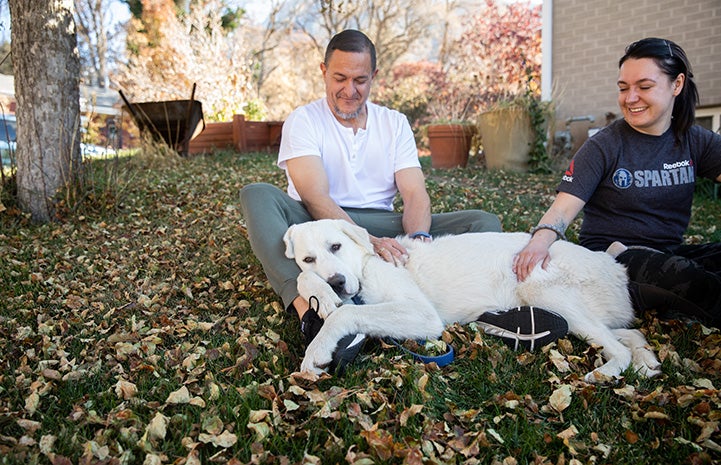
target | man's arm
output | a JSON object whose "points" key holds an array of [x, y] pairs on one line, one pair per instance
{"points": [[311, 182], [416, 202]]}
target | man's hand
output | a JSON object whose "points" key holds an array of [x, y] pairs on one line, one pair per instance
{"points": [[389, 250]]}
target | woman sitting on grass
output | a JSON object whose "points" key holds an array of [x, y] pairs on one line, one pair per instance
{"points": [[635, 181]]}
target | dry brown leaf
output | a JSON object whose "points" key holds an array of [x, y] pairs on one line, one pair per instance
{"points": [[568, 433], [224, 440], [631, 437], [409, 412], [261, 430], [656, 415], [125, 390], [157, 428], [29, 426], [559, 361], [627, 392], [255, 416], [193, 458], [197, 401], [561, 398], [213, 425], [47, 443], [181, 396], [32, 402]]}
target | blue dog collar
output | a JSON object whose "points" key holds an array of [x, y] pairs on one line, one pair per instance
{"points": [[440, 360]]}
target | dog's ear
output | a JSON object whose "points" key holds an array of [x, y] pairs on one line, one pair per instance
{"points": [[287, 238], [359, 235]]}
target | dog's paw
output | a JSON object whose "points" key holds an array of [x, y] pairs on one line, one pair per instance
{"points": [[646, 363], [647, 372], [317, 357], [327, 305], [308, 366], [311, 285], [317, 366], [599, 376], [608, 372]]}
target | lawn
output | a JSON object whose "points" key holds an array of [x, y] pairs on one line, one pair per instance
{"points": [[140, 329]]}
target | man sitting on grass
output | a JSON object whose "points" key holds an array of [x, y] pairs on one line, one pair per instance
{"points": [[347, 158]]}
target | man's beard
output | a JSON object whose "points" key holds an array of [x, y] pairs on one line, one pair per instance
{"points": [[348, 116]]}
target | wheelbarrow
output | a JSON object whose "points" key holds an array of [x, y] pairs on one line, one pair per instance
{"points": [[175, 122]]}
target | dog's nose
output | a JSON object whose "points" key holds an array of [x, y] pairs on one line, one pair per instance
{"points": [[337, 282]]}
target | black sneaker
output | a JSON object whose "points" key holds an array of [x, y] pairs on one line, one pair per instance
{"points": [[348, 347], [527, 327]]}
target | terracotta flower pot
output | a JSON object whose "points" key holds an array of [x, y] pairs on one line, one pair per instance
{"points": [[449, 144]]}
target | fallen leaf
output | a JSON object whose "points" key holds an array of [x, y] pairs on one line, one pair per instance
{"points": [[261, 430], [47, 443], [193, 458], [125, 389], [495, 435], [197, 401], [656, 415], [290, 405], [32, 402], [631, 437], [559, 361], [561, 398], [568, 433], [156, 429], [409, 412], [225, 439], [181, 396], [213, 425], [627, 392], [703, 383], [29, 426]]}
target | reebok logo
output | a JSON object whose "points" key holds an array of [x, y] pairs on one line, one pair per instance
{"points": [[568, 175], [678, 164]]}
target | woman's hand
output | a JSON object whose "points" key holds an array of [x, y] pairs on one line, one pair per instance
{"points": [[534, 253], [564, 209]]}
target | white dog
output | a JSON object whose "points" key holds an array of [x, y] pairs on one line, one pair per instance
{"points": [[456, 279]]}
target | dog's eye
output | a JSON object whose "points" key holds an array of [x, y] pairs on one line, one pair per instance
{"points": [[335, 247], [309, 259]]}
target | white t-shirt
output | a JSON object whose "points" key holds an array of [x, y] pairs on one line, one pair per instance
{"points": [[360, 167]]}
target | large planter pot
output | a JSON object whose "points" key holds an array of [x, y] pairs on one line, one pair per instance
{"points": [[449, 144], [506, 137]]}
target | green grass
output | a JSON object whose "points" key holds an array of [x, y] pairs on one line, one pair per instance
{"points": [[152, 282]]}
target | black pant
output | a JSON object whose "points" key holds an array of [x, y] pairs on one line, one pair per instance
{"points": [[686, 281]]}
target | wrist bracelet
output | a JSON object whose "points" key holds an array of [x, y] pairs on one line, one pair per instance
{"points": [[418, 234], [556, 229]]}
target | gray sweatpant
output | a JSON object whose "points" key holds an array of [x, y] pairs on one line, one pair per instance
{"points": [[268, 212]]}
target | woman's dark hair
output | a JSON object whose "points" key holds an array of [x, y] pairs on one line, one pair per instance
{"points": [[351, 40], [673, 61]]}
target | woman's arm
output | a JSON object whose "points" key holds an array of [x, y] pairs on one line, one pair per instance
{"points": [[559, 215]]}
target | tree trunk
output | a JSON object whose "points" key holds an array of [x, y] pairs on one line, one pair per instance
{"points": [[47, 72]]}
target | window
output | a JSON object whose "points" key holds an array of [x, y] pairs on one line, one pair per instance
{"points": [[710, 118]]}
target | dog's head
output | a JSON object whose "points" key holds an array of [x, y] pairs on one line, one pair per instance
{"points": [[332, 249]]}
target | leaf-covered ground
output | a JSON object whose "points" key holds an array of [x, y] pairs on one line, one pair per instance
{"points": [[141, 329]]}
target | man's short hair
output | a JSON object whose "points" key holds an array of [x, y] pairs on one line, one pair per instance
{"points": [[351, 40]]}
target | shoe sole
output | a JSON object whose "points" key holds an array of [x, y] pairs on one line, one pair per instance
{"points": [[524, 327], [346, 351]]}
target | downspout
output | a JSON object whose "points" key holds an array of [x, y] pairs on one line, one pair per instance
{"points": [[547, 51]]}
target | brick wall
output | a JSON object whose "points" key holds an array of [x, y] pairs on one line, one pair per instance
{"points": [[589, 37]]}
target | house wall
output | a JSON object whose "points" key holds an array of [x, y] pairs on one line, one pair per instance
{"points": [[589, 37]]}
